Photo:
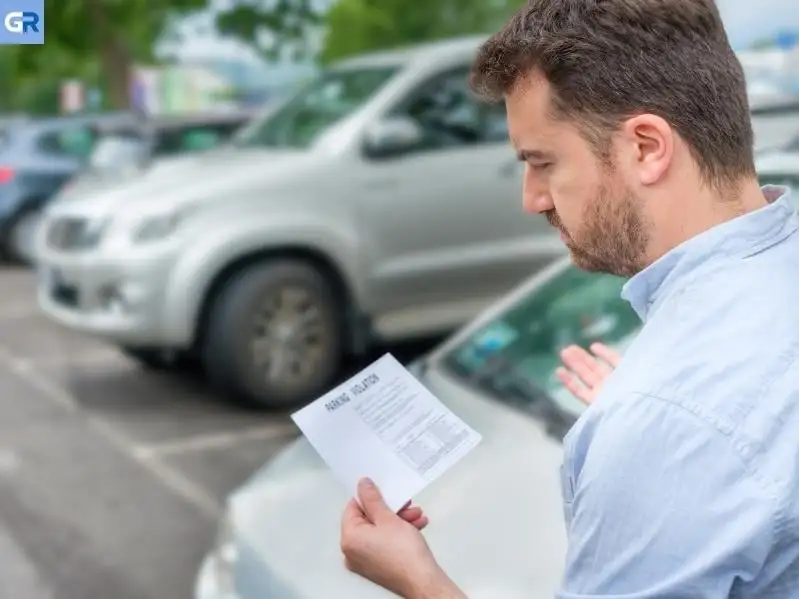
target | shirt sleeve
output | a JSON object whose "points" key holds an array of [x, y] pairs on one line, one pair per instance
{"points": [[665, 506]]}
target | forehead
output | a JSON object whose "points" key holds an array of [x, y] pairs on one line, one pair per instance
{"points": [[528, 106], [531, 125]]}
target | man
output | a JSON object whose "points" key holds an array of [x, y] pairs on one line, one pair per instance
{"points": [[682, 477]]}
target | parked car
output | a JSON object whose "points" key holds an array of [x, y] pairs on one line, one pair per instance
{"points": [[498, 374], [125, 150], [780, 167], [379, 202], [37, 156], [775, 123]]}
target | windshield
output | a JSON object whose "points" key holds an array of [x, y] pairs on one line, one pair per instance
{"points": [[328, 99], [515, 355], [118, 151]]}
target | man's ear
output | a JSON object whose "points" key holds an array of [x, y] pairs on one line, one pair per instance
{"points": [[649, 145]]}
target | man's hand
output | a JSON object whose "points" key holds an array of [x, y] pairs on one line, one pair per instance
{"points": [[583, 373], [389, 549]]}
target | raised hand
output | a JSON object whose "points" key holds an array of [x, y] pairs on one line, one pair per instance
{"points": [[583, 373]]}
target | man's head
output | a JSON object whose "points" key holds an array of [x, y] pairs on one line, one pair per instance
{"points": [[622, 110]]}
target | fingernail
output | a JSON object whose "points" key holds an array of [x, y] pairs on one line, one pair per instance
{"points": [[366, 483]]}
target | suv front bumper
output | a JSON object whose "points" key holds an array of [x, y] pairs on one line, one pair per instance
{"points": [[122, 299]]}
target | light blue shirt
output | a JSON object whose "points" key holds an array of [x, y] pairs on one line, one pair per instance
{"points": [[682, 479]]}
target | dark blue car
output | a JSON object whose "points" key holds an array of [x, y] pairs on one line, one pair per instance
{"points": [[37, 156]]}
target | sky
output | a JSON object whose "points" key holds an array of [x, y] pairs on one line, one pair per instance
{"points": [[746, 22]]}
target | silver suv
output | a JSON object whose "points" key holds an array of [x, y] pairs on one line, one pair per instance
{"points": [[380, 202]]}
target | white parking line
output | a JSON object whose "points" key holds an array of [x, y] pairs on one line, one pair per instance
{"points": [[171, 479], [25, 370], [215, 440]]}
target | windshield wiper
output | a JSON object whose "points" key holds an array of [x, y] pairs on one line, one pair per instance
{"points": [[498, 376]]}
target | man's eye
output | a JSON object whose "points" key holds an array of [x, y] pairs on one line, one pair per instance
{"points": [[541, 166]]}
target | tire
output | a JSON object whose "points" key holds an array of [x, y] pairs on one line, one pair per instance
{"points": [[20, 246], [256, 320]]}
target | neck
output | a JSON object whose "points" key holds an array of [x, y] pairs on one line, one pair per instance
{"points": [[707, 210]]}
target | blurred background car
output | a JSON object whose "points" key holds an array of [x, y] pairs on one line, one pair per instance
{"points": [[380, 202], [775, 121], [780, 167], [37, 157], [127, 149], [498, 374]]}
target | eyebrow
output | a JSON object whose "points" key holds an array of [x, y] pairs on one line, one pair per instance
{"points": [[525, 155]]}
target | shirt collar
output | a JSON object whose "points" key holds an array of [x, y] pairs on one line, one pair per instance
{"points": [[740, 236]]}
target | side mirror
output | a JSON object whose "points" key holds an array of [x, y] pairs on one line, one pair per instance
{"points": [[392, 136]]}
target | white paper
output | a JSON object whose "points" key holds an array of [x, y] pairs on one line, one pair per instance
{"points": [[384, 424]]}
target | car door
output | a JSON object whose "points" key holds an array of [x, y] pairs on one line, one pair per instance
{"points": [[445, 229]]}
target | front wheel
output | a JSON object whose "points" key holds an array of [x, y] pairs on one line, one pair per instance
{"points": [[21, 244], [274, 336]]}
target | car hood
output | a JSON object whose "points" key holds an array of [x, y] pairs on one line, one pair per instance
{"points": [[496, 517], [206, 176]]}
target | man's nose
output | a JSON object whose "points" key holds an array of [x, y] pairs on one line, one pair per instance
{"points": [[535, 196]]}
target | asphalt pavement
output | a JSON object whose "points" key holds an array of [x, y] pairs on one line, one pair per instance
{"points": [[112, 478]]}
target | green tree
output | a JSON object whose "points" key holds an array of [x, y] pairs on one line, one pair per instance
{"points": [[356, 26], [98, 39], [276, 28]]}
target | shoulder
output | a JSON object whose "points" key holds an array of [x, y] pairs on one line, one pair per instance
{"points": [[725, 348], [639, 432]]}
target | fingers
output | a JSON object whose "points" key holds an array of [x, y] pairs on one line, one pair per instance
{"points": [[414, 515], [605, 353], [353, 516], [372, 501], [421, 523], [411, 513], [573, 385], [583, 365]]}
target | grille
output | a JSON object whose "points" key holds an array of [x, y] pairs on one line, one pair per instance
{"points": [[71, 233]]}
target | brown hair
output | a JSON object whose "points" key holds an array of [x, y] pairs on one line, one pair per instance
{"points": [[607, 60]]}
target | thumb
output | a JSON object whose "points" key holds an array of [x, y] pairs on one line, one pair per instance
{"points": [[372, 501]]}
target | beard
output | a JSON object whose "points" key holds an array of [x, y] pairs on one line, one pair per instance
{"points": [[613, 238]]}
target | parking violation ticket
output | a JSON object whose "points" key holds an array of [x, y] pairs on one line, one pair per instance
{"points": [[384, 424]]}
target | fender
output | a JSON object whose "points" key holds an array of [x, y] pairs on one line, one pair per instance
{"points": [[198, 266]]}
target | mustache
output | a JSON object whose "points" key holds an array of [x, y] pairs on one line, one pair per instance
{"points": [[552, 218]]}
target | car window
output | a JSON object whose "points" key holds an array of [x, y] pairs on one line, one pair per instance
{"points": [[450, 115], [70, 142], [514, 356], [326, 100], [193, 138]]}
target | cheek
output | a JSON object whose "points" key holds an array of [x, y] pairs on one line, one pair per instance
{"points": [[571, 193]]}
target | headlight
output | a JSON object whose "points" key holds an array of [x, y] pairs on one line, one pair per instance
{"points": [[157, 226], [224, 557]]}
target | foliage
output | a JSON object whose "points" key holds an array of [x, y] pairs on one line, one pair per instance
{"points": [[277, 28], [96, 40], [356, 26], [99, 40]]}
